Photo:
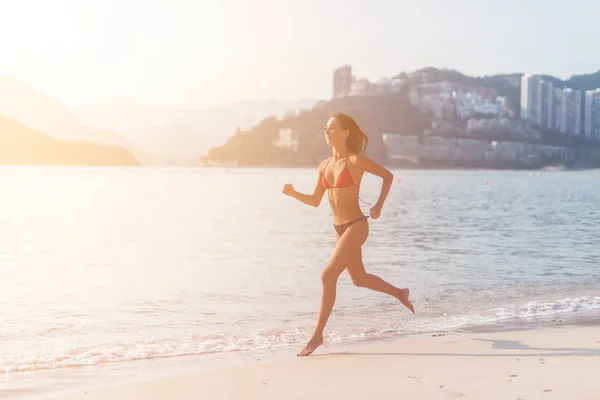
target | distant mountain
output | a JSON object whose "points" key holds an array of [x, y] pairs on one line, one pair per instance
{"points": [[125, 115], [577, 82], [21, 145], [22, 103], [584, 82], [181, 131], [161, 135], [432, 75]]}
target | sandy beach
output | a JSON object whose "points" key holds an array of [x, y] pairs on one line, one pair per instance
{"points": [[556, 363]]}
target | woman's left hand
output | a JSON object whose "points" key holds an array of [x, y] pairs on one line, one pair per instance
{"points": [[375, 212]]}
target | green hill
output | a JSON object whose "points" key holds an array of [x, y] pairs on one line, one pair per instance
{"points": [[375, 114], [584, 82]]}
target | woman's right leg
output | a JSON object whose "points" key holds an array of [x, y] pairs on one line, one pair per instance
{"points": [[353, 238]]}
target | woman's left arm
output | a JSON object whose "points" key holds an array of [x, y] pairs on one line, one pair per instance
{"points": [[374, 168]]}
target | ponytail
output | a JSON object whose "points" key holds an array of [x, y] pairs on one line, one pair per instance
{"points": [[357, 140]]}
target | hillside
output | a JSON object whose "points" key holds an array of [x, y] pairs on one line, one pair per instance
{"points": [[584, 82], [375, 114], [432, 75], [184, 132], [20, 145], [22, 103], [379, 114], [507, 85]]}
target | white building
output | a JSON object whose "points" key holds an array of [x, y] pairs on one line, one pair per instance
{"points": [[592, 114], [360, 86], [288, 138], [537, 101], [389, 85], [482, 125], [445, 100], [531, 96], [502, 104], [473, 102], [411, 148], [364, 87]]}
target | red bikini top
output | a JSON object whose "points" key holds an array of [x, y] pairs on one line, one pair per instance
{"points": [[344, 179]]}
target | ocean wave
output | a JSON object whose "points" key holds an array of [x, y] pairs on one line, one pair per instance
{"points": [[198, 345], [536, 308], [147, 349], [511, 312]]}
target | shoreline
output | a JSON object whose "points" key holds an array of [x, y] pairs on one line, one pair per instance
{"points": [[523, 363], [65, 382]]}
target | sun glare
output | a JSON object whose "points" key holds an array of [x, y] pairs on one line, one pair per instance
{"points": [[85, 48]]}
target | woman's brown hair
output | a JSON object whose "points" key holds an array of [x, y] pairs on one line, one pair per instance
{"points": [[357, 140]]}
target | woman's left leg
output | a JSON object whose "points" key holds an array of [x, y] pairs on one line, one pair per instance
{"points": [[361, 278]]}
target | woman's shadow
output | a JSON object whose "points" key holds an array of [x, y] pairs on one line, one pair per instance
{"points": [[524, 350]]}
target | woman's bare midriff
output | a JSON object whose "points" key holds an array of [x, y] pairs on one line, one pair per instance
{"points": [[344, 205]]}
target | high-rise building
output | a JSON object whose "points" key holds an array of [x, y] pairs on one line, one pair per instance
{"points": [[536, 105], [592, 114], [547, 101], [571, 108], [558, 94], [342, 81], [527, 97]]}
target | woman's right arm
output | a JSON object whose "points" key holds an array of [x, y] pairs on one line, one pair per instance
{"points": [[313, 199]]}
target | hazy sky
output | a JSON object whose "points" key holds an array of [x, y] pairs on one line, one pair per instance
{"points": [[213, 51]]}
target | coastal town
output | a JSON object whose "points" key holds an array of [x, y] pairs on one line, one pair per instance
{"points": [[475, 125]]}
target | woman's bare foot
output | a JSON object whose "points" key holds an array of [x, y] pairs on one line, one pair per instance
{"points": [[403, 297], [311, 346]]}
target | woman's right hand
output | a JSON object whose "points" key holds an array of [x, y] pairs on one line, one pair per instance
{"points": [[288, 189]]}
